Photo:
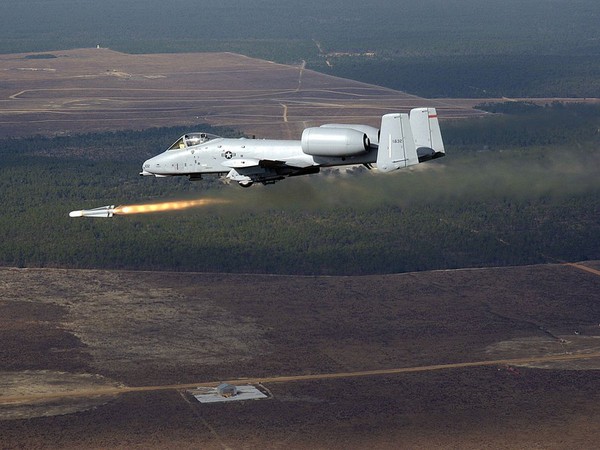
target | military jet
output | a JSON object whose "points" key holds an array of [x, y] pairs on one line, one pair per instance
{"points": [[403, 140]]}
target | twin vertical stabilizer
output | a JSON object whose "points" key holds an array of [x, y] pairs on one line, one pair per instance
{"points": [[406, 140], [427, 134]]}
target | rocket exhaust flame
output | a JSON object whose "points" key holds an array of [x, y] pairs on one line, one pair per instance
{"points": [[109, 211], [167, 206]]}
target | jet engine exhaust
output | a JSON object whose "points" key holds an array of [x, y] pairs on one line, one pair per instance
{"points": [[178, 205]]}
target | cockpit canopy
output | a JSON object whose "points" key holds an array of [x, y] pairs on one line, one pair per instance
{"points": [[191, 139]]}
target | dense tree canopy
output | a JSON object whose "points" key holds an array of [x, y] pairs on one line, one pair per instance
{"points": [[514, 189]]}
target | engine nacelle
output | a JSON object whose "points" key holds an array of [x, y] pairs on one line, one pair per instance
{"points": [[371, 132], [319, 141]]}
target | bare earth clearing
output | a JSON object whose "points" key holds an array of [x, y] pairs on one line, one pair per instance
{"points": [[98, 89], [78, 344], [99, 359]]}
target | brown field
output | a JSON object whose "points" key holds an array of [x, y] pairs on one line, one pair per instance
{"points": [[501, 358], [99, 89], [89, 90], [100, 359]]}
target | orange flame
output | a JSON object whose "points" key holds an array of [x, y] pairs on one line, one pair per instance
{"points": [[167, 206]]}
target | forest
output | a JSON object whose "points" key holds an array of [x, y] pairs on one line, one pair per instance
{"points": [[517, 187], [478, 76]]}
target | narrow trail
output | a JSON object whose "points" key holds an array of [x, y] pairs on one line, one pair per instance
{"points": [[584, 268], [19, 399]]}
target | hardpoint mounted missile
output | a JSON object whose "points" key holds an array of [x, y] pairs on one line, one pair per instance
{"points": [[104, 211], [176, 205]]}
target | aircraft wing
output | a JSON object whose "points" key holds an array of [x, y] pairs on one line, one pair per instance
{"points": [[240, 163], [266, 171], [299, 162]]}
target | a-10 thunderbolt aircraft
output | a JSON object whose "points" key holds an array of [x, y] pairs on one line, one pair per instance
{"points": [[402, 141]]}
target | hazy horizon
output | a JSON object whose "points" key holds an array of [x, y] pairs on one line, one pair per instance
{"points": [[559, 25]]}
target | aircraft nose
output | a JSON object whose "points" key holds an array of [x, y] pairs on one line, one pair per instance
{"points": [[145, 167], [161, 165], [151, 166], [145, 173]]}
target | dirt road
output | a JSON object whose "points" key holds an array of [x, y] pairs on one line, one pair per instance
{"points": [[111, 391]]}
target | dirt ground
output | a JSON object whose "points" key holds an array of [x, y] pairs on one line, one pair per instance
{"points": [[70, 331], [99, 89], [72, 341]]}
